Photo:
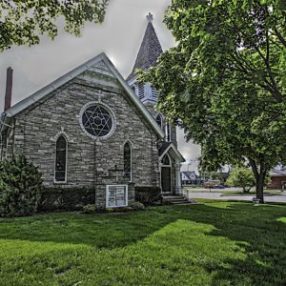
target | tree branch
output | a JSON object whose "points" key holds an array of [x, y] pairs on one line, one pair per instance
{"points": [[280, 37]]}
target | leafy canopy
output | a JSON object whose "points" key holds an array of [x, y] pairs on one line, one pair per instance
{"points": [[22, 22], [225, 80]]}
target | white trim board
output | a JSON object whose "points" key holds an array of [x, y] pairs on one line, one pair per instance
{"points": [[40, 94], [177, 153]]}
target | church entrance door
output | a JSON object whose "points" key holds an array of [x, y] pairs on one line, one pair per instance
{"points": [[166, 180], [166, 175]]}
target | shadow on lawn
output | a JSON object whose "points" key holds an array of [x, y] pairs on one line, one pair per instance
{"points": [[256, 229]]}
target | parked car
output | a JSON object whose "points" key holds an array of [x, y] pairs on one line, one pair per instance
{"points": [[212, 184]]}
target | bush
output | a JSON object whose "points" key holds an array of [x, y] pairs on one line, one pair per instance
{"points": [[20, 187], [89, 209], [241, 177], [69, 199], [148, 195], [137, 206]]}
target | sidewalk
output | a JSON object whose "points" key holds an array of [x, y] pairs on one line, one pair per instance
{"points": [[219, 195]]}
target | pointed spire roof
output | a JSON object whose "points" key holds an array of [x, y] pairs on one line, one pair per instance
{"points": [[150, 49]]}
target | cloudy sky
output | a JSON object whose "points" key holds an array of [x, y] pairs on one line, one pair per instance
{"points": [[119, 37]]}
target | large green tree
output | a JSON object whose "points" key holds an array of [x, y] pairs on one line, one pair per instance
{"points": [[226, 81], [23, 21]]}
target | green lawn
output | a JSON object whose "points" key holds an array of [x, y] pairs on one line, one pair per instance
{"points": [[218, 243]]}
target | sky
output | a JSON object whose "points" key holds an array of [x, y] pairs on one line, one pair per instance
{"points": [[119, 37]]}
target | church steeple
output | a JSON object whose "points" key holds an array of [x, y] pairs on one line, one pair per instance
{"points": [[148, 54], [149, 51]]}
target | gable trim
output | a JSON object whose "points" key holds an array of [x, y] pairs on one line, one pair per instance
{"points": [[176, 151], [40, 94]]}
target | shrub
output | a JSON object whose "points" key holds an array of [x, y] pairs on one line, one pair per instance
{"points": [[68, 199], [89, 209], [241, 177], [137, 206], [20, 187], [148, 195]]}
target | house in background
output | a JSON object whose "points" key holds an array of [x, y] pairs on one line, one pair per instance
{"points": [[190, 178], [92, 129], [277, 178]]}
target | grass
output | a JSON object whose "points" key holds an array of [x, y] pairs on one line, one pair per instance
{"points": [[217, 243], [252, 192]]}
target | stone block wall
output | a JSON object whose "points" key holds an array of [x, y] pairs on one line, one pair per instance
{"points": [[37, 128]]}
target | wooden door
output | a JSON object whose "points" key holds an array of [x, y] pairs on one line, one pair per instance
{"points": [[166, 180]]}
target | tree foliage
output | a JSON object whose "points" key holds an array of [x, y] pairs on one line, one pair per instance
{"points": [[20, 187], [225, 80], [241, 177], [22, 22]]}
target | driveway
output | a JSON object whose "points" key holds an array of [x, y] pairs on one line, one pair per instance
{"points": [[229, 195]]}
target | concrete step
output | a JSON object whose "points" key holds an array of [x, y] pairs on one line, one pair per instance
{"points": [[177, 200]]}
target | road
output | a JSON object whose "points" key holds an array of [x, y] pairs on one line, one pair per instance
{"points": [[223, 195]]}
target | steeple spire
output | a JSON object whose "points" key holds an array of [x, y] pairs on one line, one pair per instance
{"points": [[150, 49]]}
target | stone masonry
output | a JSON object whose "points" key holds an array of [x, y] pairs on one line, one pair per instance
{"points": [[90, 163]]}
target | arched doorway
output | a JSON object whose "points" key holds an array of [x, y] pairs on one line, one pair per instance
{"points": [[166, 175]]}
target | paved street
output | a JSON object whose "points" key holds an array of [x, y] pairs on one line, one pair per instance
{"points": [[276, 197]]}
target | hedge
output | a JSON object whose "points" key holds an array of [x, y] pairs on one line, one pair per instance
{"points": [[66, 199], [147, 195]]}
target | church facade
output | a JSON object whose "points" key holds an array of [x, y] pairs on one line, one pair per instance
{"points": [[91, 128]]}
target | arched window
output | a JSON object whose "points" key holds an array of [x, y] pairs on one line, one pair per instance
{"points": [[159, 120], [127, 161], [61, 160], [166, 160]]}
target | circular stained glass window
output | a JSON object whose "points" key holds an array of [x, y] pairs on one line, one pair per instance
{"points": [[97, 120]]}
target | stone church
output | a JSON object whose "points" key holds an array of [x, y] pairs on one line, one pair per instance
{"points": [[92, 128]]}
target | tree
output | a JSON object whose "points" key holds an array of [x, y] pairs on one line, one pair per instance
{"points": [[241, 177], [225, 80], [22, 22]]}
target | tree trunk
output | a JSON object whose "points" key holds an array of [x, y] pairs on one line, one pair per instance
{"points": [[259, 174], [260, 187]]}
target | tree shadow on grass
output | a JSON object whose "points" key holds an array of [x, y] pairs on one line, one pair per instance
{"points": [[257, 230], [97, 230], [260, 233]]}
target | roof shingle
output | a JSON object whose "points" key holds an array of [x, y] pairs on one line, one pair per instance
{"points": [[149, 51]]}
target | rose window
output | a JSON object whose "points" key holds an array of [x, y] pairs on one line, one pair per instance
{"points": [[97, 121]]}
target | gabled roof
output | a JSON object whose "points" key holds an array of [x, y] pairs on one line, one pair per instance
{"points": [[149, 51], [42, 93], [166, 147], [189, 174], [278, 173]]}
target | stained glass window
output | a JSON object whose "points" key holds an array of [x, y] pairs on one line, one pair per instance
{"points": [[127, 160], [97, 121], [61, 159]]}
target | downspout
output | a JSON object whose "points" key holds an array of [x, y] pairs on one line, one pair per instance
{"points": [[2, 124]]}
